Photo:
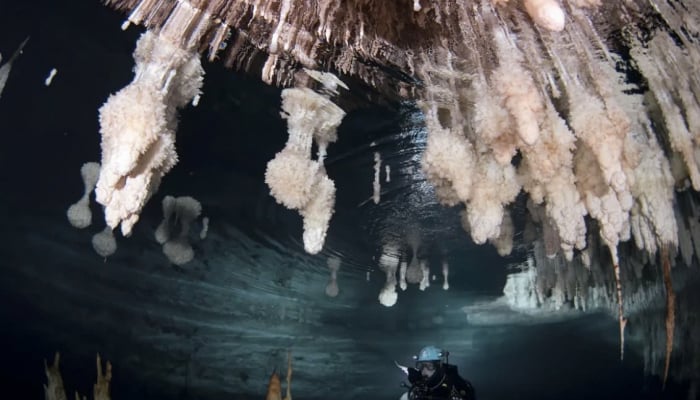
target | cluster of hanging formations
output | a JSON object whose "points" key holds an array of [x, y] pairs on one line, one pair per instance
{"points": [[590, 108]]}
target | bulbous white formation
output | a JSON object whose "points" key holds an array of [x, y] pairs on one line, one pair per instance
{"points": [[295, 179], [138, 128], [388, 263], [546, 13]]}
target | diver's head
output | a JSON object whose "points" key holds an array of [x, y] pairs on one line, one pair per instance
{"points": [[428, 361]]}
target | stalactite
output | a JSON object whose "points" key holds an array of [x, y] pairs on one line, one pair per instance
{"points": [[79, 214], [137, 127], [295, 179], [414, 273], [388, 263], [333, 267], [504, 241], [445, 275], [670, 310], [598, 130], [104, 242], [494, 84], [620, 309], [7, 66], [178, 214], [376, 186]]}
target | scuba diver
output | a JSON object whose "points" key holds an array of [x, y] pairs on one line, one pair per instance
{"points": [[434, 378]]}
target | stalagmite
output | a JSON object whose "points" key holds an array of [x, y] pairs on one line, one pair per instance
{"points": [[288, 394], [274, 387], [101, 387], [53, 389]]}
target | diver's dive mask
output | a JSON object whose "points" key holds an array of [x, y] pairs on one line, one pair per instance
{"points": [[427, 365]]}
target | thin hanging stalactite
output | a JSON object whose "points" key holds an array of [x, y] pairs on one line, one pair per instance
{"points": [[670, 310], [620, 311]]}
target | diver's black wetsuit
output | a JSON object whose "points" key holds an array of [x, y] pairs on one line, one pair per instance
{"points": [[445, 384]]}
